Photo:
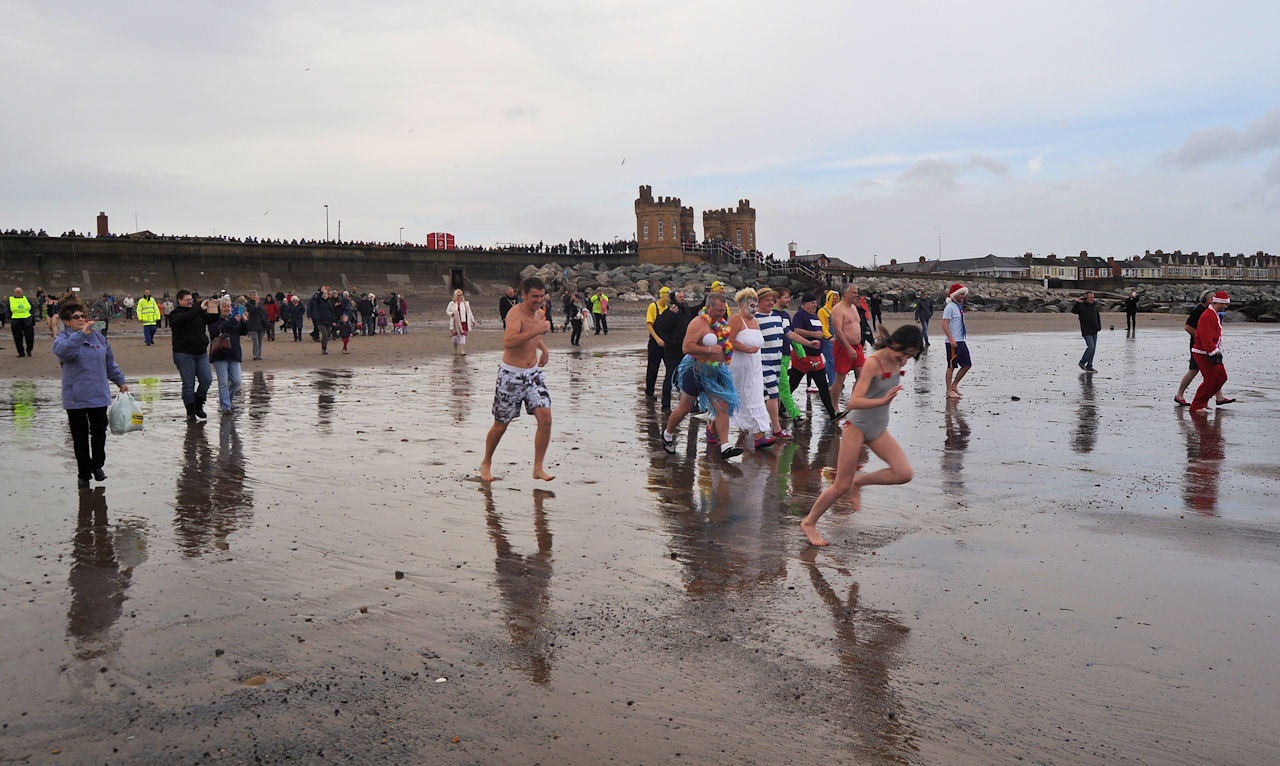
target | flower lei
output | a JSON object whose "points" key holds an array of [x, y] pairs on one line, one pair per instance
{"points": [[721, 330]]}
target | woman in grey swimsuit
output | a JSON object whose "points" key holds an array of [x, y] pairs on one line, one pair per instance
{"points": [[867, 423]]}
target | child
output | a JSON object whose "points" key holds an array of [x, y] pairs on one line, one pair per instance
{"points": [[382, 321], [867, 423], [345, 330]]}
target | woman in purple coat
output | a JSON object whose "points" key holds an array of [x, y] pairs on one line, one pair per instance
{"points": [[88, 369]]}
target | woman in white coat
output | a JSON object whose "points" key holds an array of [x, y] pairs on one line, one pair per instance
{"points": [[461, 320]]}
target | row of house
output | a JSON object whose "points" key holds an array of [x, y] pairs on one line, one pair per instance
{"points": [[1157, 265]]}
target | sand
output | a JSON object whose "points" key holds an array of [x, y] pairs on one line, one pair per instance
{"points": [[1078, 573]]}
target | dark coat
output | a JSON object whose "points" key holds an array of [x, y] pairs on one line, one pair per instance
{"points": [[233, 328], [187, 326], [1090, 317]]}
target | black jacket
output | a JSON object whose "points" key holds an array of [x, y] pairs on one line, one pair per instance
{"points": [[187, 326], [322, 312], [233, 328], [257, 317], [1090, 317], [671, 325]]}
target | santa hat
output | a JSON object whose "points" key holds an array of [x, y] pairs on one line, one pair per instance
{"points": [[957, 288], [1221, 297]]}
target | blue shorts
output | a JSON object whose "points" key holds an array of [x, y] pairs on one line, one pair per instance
{"points": [[690, 384], [958, 356]]}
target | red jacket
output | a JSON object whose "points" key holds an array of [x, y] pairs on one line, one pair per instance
{"points": [[1208, 332]]}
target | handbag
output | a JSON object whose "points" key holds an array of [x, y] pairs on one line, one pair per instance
{"points": [[221, 346], [801, 362]]}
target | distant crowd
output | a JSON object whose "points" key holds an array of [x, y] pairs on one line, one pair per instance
{"points": [[573, 247]]}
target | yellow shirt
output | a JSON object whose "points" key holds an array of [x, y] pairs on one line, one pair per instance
{"points": [[655, 308]]}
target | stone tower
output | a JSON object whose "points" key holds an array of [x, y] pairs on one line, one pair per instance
{"points": [[737, 226], [661, 225]]}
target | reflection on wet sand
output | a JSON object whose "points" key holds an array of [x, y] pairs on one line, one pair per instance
{"points": [[922, 377], [1085, 436], [868, 641], [328, 384], [1206, 449], [98, 582], [22, 399], [259, 395], [460, 389], [953, 449], [524, 583], [212, 499]]}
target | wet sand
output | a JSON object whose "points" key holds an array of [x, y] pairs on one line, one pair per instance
{"points": [[1082, 574]]}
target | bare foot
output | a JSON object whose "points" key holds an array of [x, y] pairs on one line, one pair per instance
{"points": [[485, 473], [953, 394], [810, 530], [538, 473], [855, 497]]}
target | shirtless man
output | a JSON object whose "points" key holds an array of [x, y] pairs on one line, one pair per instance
{"points": [[520, 378], [709, 373], [846, 331]]}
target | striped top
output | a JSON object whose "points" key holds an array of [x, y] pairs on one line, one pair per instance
{"points": [[772, 326]]}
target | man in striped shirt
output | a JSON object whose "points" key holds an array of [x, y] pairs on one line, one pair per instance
{"points": [[774, 330]]}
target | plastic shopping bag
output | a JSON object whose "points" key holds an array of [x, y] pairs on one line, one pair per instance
{"points": [[124, 414]]}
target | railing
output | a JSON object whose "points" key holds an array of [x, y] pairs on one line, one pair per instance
{"points": [[721, 250]]}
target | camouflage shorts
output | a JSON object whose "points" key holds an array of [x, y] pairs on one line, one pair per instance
{"points": [[516, 385]]}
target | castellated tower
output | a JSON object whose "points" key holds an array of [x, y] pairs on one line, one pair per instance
{"points": [[661, 225], [737, 226]]}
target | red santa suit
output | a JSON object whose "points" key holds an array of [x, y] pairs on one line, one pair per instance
{"points": [[1207, 352]]}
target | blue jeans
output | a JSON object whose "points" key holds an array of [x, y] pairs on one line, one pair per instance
{"points": [[828, 356], [1090, 345], [149, 333], [924, 330], [228, 371], [192, 367]]}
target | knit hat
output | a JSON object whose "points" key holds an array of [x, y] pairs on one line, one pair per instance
{"points": [[956, 288], [717, 285], [1221, 297], [664, 290]]}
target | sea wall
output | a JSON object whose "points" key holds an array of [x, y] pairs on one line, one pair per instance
{"points": [[121, 266]]}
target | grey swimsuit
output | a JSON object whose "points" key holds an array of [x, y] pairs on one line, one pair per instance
{"points": [[872, 422]]}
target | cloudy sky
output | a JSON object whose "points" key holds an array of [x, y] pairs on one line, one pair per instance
{"points": [[864, 130]]}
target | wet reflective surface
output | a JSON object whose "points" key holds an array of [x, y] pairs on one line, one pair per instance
{"points": [[1083, 573]]}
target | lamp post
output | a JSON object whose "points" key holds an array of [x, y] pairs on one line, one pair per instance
{"points": [[326, 223], [402, 235]]}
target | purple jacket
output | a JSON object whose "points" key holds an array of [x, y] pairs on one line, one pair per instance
{"points": [[87, 366]]}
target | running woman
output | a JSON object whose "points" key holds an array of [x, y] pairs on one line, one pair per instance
{"points": [[868, 423]]}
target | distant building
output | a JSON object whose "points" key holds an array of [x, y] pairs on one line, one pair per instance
{"points": [[737, 226], [662, 223]]}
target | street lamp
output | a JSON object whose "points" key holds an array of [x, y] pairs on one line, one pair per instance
{"points": [[402, 235], [326, 223]]}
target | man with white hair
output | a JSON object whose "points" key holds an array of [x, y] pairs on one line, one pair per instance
{"points": [[958, 360]]}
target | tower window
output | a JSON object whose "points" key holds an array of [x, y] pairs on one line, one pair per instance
{"points": [[739, 237], [646, 231], [660, 222]]}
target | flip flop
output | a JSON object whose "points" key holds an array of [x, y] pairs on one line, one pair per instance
{"points": [[1181, 402], [1225, 401]]}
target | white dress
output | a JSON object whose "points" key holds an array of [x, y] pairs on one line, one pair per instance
{"points": [[748, 380]]}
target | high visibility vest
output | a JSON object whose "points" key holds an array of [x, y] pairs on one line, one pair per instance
{"points": [[19, 308], [148, 311]]}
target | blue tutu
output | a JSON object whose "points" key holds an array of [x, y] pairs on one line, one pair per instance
{"points": [[713, 378]]}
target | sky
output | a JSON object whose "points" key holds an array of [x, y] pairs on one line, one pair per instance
{"points": [[867, 131]]}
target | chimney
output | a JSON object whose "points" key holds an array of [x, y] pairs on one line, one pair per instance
{"points": [[103, 231]]}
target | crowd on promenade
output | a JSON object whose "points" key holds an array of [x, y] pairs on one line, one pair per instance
{"points": [[572, 247]]}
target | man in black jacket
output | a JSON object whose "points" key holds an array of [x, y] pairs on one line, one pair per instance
{"points": [[187, 323], [671, 325], [322, 316], [505, 304], [1090, 325], [256, 322], [1131, 315], [365, 306]]}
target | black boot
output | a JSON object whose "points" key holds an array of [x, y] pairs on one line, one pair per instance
{"points": [[191, 413], [198, 408]]}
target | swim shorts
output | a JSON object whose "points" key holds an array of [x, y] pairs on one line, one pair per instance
{"points": [[516, 385], [690, 384], [958, 356], [843, 363]]}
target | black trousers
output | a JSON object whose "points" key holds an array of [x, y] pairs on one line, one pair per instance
{"points": [[89, 437], [1130, 323], [23, 330], [602, 323], [576, 337], [818, 379], [656, 357]]}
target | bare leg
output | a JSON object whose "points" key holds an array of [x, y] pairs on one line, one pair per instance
{"points": [[1186, 381], [955, 384], [772, 406], [683, 408], [540, 441], [898, 470], [846, 470], [722, 420], [837, 390], [490, 444]]}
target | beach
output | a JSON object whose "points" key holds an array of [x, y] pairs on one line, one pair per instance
{"points": [[1079, 572]]}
